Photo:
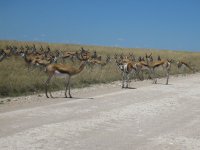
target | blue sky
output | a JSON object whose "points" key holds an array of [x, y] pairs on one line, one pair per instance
{"points": [[160, 24]]}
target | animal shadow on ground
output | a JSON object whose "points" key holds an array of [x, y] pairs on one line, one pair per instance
{"points": [[75, 98], [164, 84], [130, 88]]}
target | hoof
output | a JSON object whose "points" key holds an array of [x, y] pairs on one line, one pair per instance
{"points": [[154, 82]]}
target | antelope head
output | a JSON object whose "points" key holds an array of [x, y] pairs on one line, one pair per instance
{"points": [[121, 56], [159, 59], [48, 49], [148, 56], [108, 59], [171, 60], [41, 48], [115, 56]]}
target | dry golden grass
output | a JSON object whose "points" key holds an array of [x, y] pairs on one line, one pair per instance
{"points": [[16, 79]]}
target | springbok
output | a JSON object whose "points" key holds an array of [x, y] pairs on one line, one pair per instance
{"points": [[183, 64], [2, 54], [68, 54], [100, 63], [166, 64], [62, 69], [140, 66], [126, 68]]}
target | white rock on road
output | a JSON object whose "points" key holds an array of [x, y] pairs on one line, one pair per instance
{"points": [[150, 117]]}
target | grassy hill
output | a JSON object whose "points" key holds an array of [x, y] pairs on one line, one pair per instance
{"points": [[16, 79]]}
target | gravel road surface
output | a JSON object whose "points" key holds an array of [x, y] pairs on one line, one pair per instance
{"points": [[106, 117]]}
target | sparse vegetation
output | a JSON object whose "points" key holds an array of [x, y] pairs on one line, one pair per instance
{"points": [[16, 79]]}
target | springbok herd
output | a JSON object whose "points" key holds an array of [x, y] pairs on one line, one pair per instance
{"points": [[127, 64]]}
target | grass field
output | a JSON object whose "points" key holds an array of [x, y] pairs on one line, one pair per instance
{"points": [[16, 79]]}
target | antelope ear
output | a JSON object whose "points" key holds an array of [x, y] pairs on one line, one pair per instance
{"points": [[48, 48]]}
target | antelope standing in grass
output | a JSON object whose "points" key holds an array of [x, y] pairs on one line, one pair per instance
{"points": [[140, 66], [46, 61], [101, 63], [126, 68], [70, 55], [2, 54], [8, 50], [30, 57], [40, 59], [65, 69], [166, 64], [131, 57], [73, 55], [184, 65]]}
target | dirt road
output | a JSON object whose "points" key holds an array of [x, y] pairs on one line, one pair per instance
{"points": [[106, 117]]}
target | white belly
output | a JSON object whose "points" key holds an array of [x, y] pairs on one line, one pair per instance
{"points": [[60, 75]]}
